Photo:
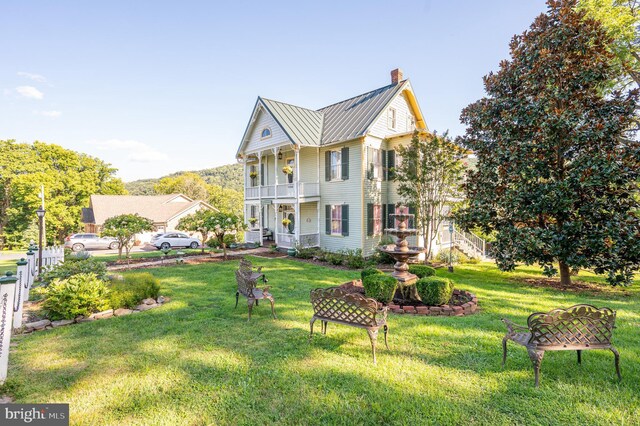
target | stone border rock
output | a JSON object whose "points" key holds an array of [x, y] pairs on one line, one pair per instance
{"points": [[443, 310], [45, 324]]}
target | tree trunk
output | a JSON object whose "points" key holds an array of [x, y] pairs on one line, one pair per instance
{"points": [[120, 244], [224, 250], [565, 274]]}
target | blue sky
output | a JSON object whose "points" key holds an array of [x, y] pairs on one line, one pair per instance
{"points": [[154, 87]]}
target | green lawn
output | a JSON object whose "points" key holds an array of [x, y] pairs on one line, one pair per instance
{"points": [[197, 361], [149, 254]]}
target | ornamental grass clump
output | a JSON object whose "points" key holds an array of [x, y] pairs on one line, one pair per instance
{"points": [[129, 291], [381, 287], [434, 291], [81, 294], [422, 271]]}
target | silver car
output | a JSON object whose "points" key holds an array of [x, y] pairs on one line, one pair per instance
{"points": [[175, 239], [79, 242]]}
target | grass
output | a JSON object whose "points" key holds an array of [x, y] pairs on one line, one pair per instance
{"points": [[197, 361]]}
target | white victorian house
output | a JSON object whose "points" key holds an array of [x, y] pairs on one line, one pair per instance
{"points": [[321, 177]]}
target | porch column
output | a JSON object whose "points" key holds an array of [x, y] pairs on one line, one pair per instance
{"points": [[260, 177], [276, 227], [275, 166], [296, 162]]}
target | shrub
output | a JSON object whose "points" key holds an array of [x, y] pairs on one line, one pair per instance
{"points": [[434, 291], [370, 271], [354, 259], [306, 253], [334, 258], [382, 257], [380, 287], [132, 289], [456, 257], [229, 239], [68, 269], [81, 294], [422, 270]]}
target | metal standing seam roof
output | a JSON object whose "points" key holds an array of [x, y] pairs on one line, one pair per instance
{"points": [[342, 121], [303, 126], [352, 118]]}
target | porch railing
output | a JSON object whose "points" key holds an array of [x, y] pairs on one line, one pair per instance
{"points": [[268, 191], [253, 236], [286, 240], [252, 192], [310, 240]]}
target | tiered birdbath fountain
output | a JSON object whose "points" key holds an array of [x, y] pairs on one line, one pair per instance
{"points": [[401, 251]]}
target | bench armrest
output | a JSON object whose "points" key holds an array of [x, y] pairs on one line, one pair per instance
{"points": [[513, 327]]}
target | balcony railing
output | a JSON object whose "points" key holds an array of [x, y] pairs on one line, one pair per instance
{"points": [[285, 190]]}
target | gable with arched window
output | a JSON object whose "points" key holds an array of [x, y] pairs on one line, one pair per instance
{"points": [[266, 133]]}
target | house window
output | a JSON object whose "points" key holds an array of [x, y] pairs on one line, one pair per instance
{"points": [[336, 220], [374, 169], [266, 133], [391, 118], [336, 165]]}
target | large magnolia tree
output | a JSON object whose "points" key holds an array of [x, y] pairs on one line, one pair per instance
{"points": [[555, 179], [429, 178]]}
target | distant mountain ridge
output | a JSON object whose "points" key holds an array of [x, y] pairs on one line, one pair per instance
{"points": [[228, 176]]}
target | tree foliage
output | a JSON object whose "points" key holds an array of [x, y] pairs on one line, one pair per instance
{"points": [[203, 221], [226, 224], [189, 184], [229, 176], [429, 176], [124, 227], [554, 179], [69, 178]]}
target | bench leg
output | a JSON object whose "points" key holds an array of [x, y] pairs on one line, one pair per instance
{"points": [[386, 329], [616, 354], [250, 305], [324, 327], [373, 336], [237, 296], [536, 358], [273, 310], [579, 356], [504, 351], [311, 327]]}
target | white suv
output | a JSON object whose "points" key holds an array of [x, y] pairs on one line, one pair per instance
{"points": [[175, 239]]}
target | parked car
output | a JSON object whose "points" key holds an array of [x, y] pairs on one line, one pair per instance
{"points": [[175, 239], [78, 242]]}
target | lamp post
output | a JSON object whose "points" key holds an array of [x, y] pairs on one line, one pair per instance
{"points": [[40, 212], [451, 245]]}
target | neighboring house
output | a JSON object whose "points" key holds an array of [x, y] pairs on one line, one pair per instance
{"points": [[164, 210], [338, 195]]}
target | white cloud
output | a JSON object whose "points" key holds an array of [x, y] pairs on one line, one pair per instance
{"points": [[29, 92], [52, 114], [132, 150], [35, 77]]}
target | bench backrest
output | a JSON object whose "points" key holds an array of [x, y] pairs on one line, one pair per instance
{"points": [[578, 325], [339, 305], [244, 274]]}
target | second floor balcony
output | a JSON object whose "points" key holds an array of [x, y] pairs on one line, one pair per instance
{"points": [[285, 190]]}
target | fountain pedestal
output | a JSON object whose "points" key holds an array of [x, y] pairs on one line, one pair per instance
{"points": [[401, 251]]}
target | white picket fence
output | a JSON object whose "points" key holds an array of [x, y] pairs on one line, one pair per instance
{"points": [[14, 291]]}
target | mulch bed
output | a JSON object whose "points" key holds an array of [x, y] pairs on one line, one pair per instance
{"points": [[575, 286]]}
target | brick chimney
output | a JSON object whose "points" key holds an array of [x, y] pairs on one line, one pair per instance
{"points": [[396, 76]]}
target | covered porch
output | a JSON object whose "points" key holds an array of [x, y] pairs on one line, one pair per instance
{"points": [[289, 224]]}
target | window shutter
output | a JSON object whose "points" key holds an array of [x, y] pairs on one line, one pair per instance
{"points": [[391, 164], [369, 219], [327, 215], [345, 163], [384, 217], [391, 208], [262, 174], [327, 166], [345, 219], [383, 153], [412, 221], [369, 163]]}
